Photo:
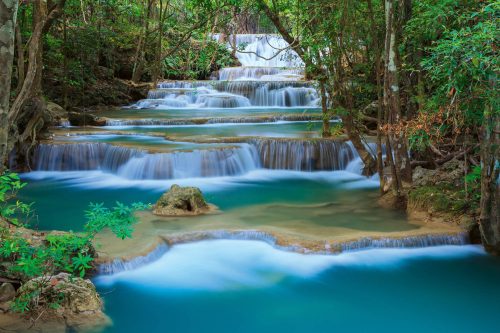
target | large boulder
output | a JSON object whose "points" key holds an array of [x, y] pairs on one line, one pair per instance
{"points": [[79, 305], [84, 118], [181, 201], [57, 113], [450, 173], [79, 295]]}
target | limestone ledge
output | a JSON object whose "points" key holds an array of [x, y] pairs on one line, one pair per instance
{"points": [[113, 261]]}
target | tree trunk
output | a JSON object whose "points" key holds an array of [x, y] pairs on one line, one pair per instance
{"points": [[370, 165], [158, 67], [26, 115], [32, 77], [396, 136], [141, 49], [32, 83], [380, 112], [325, 132], [8, 15], [20, 58], [489, 220]]}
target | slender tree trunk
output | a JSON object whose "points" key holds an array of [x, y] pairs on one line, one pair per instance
{"points": [[380, 100], [158, 60], [396, 136], [65, 63], [355, 137], [489, 220], [326, 133], [8, 15], [141, 49]]}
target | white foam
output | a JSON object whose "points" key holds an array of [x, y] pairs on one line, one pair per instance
{"points": [[213, 125], [101, 179], [233, 264]]}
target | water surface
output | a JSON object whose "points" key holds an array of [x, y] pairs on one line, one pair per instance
{"points": [[247, 286]]}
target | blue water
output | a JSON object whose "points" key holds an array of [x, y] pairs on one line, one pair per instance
{"points": [[46, 190], [205, 113], [246, 286]]}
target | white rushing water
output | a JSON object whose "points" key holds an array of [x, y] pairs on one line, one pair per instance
{"points": [[130, 163], [262, 50], [232, 264], [96, 179], [270, 75]]}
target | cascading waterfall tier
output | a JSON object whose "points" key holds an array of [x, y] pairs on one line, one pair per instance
{"points": [[406, 242], [82, 156], [230, 94], [138, 164], [420, 241], [121, 265], [212, 120], [303, 155], [299, 155], [259, 73], [271, 75]]}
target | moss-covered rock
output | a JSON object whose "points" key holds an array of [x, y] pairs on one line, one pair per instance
{"points": [[181, 201], [450, 172], [85, 119], [65, 299]]}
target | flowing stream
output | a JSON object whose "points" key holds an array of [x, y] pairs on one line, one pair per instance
{"points": [[249, 138]]}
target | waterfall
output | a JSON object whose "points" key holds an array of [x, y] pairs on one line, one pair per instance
{"points": [[265, 119], [222, 100], [259, 73], [263, 50], [271, 76], [147, 122], [212, 120], [303, 155], [230, 94], [138, 164], [82, 156], [299, 155], [120, 265], [406, 242], [198, 163]]}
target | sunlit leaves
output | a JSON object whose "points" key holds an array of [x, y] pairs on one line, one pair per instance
{"points": [[119, 219]]}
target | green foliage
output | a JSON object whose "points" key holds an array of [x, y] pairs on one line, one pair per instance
{"points": [[197, 61], [443, 198], [449, 198], [10, 208], [473, 181], [336, 129], [119, 219], [458, 42], [31, 255]]}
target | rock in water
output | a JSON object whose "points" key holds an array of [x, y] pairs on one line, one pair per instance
{"points": [[181, 201]]}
